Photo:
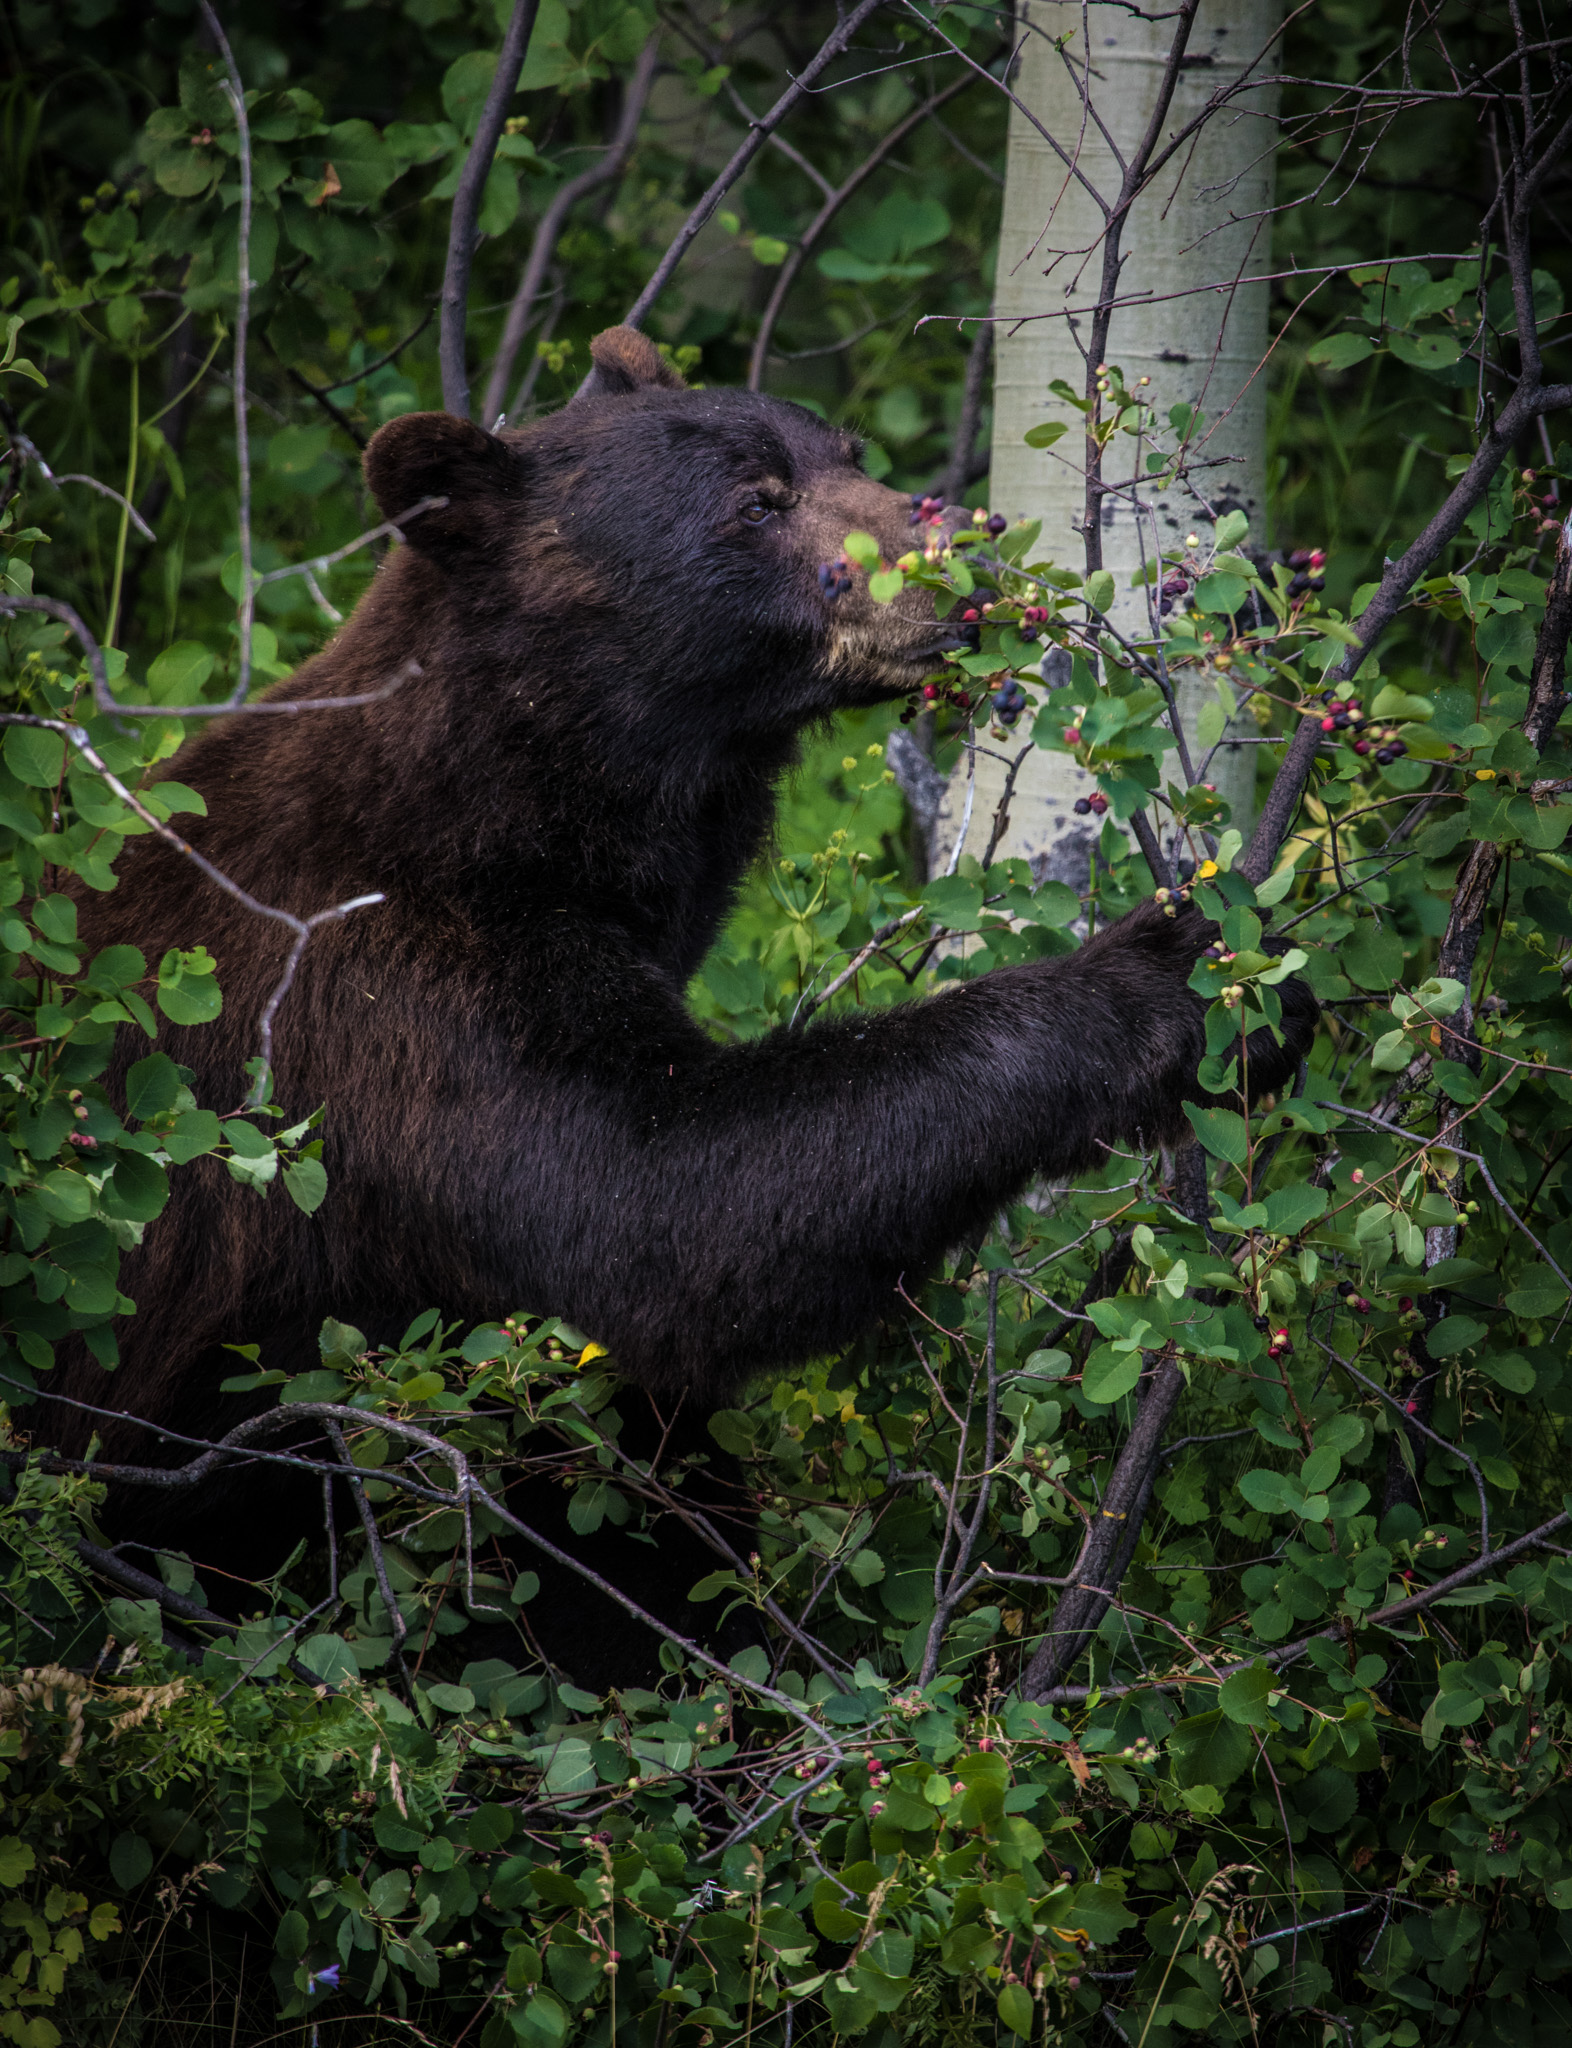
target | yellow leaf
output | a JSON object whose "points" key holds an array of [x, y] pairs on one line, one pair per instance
{"points": [[591, 1352]]}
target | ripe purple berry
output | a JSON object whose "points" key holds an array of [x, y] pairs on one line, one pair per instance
{"points": [[1083, 806], [997, 524]]}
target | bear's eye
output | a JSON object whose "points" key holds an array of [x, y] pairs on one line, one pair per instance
{"points": [[756, 511]]}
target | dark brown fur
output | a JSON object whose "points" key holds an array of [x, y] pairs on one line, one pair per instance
{"points": [[616, 659]]}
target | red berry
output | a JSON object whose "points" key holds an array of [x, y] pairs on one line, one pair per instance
{"points": [[1405, 1304], [1329, 725]]}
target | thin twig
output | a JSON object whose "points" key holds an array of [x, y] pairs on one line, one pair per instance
{"points": [[635, 94], [789, 270], [743, 155], [235, 92], [462, 235]]}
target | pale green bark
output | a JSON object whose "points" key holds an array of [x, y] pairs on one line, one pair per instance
{"points": [[1200, 224]]}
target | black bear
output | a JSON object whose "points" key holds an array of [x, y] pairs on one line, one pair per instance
{"points": [[621, 635]]}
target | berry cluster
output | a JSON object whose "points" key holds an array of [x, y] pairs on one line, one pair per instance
{"points": [[1307, 564], [1345, 715], [835, 578], [1175, 585], [933, 695], [1009, 702], [1172, 899], [927, 509], [1033, 619], [1353, 1298], [1280, 1346], [1544, 508], [1093, 805]]}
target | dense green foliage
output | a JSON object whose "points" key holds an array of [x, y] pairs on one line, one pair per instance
{"points": [[1270, 1806]]}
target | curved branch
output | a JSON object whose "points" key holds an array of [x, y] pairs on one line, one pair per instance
{"points": [[541, 249], [789, 270], [743, 155], [1525, 405], [466, 206]]}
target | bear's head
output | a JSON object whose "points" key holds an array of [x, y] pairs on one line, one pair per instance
{"points": [[672, 538]]}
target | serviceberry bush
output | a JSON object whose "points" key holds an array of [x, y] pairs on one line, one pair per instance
{"points": [[1302, 1780]]}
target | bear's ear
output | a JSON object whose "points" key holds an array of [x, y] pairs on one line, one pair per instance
{"points": [[626, 361], [423, 455]]}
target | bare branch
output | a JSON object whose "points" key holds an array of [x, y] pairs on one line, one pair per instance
{"points": [[1288, 1653], [1524, 406], [635, 94], [466, 206], [789, 270], [1477, 877], [108, 491], [743, 155], [284, 707], [1106, 1550], [235, 92]]}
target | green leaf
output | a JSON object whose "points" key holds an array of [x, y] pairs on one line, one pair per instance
{"points": [[140, 1186], [152, 1086], [1221, 593], [863, 549], [1230, 529], [130, 1860], [1274, 1493], [885, 585], [1209, 1749], [1243, 1695], [34, 757], [313, 1386], [1045, 435], [1426, 351], [733, 1430], [364, 163], [196, 1131], [245, 1140], [1110, 1374], [1341, 351], [1098, 590], [330, 1658], [1290, 1210], [178, 674], [1016, 2010], [307, 1183], [1538, 1293], [572, 1767], [1452, 1335], [955, 901], [1223, 1132], [1372, 955]]}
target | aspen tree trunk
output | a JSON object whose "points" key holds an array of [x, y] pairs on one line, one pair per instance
{"points": [[1200, 223]]}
